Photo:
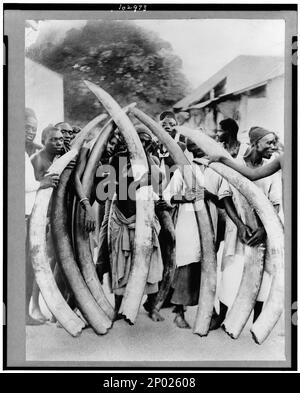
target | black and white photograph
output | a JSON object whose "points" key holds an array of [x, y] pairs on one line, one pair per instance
{"points": [[157, 180]]}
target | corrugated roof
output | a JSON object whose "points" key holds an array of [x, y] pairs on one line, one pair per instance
{"points": [[241, 73]]}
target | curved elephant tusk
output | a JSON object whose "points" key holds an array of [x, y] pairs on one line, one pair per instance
{"points": [[37, 234], [239, 313], [64, 252], [209, 260], [84, 255], [254, 258], [82, 237], [169, 257], [273, 226], [144, 207]]}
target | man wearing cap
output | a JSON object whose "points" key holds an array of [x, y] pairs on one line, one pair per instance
{"points": [[262, 147], [31, 147]]}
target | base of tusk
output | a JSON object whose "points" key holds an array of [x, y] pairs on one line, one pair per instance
{"points": [[231, 335], [128, 320], [255, 339], [201, 334]]}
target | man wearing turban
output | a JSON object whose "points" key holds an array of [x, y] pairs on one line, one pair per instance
{"points": [[263, 144]]}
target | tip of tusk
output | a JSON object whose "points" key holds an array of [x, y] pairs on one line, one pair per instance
{"points": [[255, 339], [132, 105], [200, 334], [86, 82], [90, 85], [231, 335]]}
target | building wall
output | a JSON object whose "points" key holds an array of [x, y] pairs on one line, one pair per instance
{"points": [[44, 94], [266, 111]]}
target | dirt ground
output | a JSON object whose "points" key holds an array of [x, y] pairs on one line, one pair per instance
{"points": [[150, 341]]}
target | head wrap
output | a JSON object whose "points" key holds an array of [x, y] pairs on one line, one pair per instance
{"points": [[256, 133], [143, 130], [63, 126], [165, 114]]}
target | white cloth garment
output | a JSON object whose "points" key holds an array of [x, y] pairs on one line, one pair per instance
{"points": [[31, 185], [186, 230], [215, 184], [270, 187], [234, 249]]}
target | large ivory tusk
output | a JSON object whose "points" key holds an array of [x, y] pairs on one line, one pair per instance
{"points": [[37, 234], [84, 255], [168, 255], [238, 315], [81, 236], [144, 207], [64, 252], [209, 259], [273, 226]]}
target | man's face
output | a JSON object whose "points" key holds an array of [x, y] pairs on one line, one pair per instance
{"points": [[221, 135], [111, 146], [266, 145], [75, 131], [30, 129], [54, 142], [169, 124], [67, 132]]}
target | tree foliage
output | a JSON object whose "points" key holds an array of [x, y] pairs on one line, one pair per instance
{"points": [[131, 63]]}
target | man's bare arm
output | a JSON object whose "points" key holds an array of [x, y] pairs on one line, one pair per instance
{"points": [[244, 231], [251, 173], [90, 221]]}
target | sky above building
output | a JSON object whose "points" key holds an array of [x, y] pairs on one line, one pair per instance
{"points": [[204, 45]]}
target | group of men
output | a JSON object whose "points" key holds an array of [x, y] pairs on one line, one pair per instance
{"points": [[38, 158], [117, 215]]}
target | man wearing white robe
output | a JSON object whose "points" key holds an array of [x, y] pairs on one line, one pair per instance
{"points": [[188, 249], [262, 142]]}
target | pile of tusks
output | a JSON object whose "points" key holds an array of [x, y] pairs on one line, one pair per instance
{"points": [[77, 262]]}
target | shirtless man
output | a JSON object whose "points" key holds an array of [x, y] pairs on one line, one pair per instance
{"points": [[31, 187], [53, 147], [41, 161]]}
